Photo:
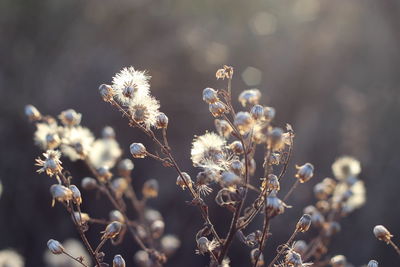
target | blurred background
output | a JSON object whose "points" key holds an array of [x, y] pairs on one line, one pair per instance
{"points": [[330, 68]]}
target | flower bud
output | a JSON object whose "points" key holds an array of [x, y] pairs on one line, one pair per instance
{"points": [[161, 121], [106, 92], [55, 247], [157, 228], [372, 263], [89, 183], [138, 150], [150, 188], [181, 180], [275, 139], [304, 223], [217, 108], [108, 133], [112, 230], [305, 172], [236, 147], [76, 194], [32, 113], [125, 167], [60, 193], [116, 215], [118, 261], [119, 185], [203, 244], [70, 117], [210, 95], [383, 234], [257, 112]]}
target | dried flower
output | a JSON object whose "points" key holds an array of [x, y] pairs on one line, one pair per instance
{"points": [[275, 139], [305, 172], [107, 92], [225, 72], [217, 109], [236, 147], [207, 148], [292, 258], [383, 234], [249, 97], [184, 180], [274, 206], [129, 84], [55, 247], [339, 261], [304, 223], [112, 230], [210, 95], [273, 182], [32, 113], [269, 113], [161, 121], [104, 152], [138, 150], [243, 121], [118, 261], [61, 193], [345, 167], [47, 135], [70, 117], [76, 142], [144, 109], [257, 112], [51, 164], [150, 188], [76, 194], [203, 245]]}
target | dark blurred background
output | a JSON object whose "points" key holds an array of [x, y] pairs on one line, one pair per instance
{"points": [[330, 68]]}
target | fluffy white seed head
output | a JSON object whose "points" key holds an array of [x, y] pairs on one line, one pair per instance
{"points": [[345, 167], [70, 117]]}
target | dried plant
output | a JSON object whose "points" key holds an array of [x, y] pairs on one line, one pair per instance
{"points": [[226, 163]]}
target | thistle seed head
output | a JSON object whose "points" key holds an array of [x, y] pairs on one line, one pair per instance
{"points": [[61, 193], [203, 244], [76, 194], [70, 117], [161, 121], [106, 91], [249, 97], [243, 121], [300, 247], [257, 112], [236, 147], [183, 181], [51, 163], [217, 109], [304, 223], [210, 95]]}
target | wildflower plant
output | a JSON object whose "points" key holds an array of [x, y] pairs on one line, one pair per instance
{"points": [[226, 164]]}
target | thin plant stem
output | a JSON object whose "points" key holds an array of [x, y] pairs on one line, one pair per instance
{"points": [[291, 190], [101, 244], [75, 259], [282, 249], [263, 238], [394, 246]]}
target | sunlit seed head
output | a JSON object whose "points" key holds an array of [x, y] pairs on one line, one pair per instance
{"points": [[207, 148], [203, 244], [157, 228], [210, 95], [217, 109], [51, 163], [249, 97], [304, 223], [106, 92], [273, 182], [104, 174], [274, 205], [275, 139], [372, 263], [150, 188], [138, 150], [243, 121], [70, 117], [76, 142], [269, 113], [184, 180], [118, 261], [345, 167], [81, 217], [32, 113], [257, 112], [76, 194], [237, 167], [129, 84], [305, 172], [381, 233], [112, 230], [292, 258], [125, 167], [61, 193], [161, 121], [55, 247], [119, 186], [236, 147]]}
